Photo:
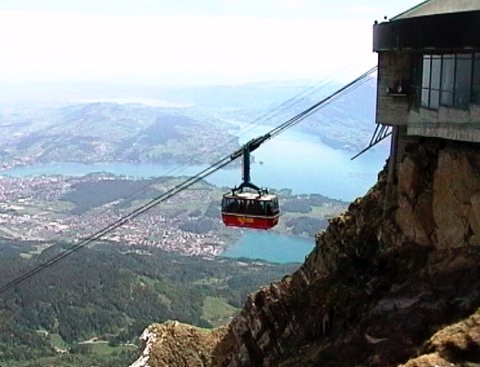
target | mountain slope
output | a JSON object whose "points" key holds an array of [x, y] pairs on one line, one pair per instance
{"points": [[381, 281], [345, 123], [198, 120], [112, 292], [110, 132]]}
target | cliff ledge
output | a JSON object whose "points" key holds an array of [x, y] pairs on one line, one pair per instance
{"points": [[393, 281]]}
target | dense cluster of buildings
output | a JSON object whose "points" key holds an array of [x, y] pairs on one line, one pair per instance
{"points": [[32, 209]]}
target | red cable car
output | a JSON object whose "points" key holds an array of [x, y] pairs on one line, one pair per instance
{"points": [[258, 209], [248, 209]]}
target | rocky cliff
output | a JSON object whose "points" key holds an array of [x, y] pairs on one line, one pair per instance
{"points": [[385, 284]]}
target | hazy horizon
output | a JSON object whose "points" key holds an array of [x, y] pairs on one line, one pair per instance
{"points": [[187, 43]]}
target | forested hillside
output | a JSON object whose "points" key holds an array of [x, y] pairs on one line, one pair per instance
{"points": [[112, 293]]}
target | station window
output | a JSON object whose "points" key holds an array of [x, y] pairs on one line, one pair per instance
{"points": [[476, 79], [450, 80]]}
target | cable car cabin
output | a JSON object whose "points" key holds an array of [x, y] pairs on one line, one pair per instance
{"points": [[251, 210]]}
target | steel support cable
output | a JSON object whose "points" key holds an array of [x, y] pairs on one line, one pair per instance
{"points": [[334, 98], [292, 101], [221, 163], [121, 221], [268, 115], [296, 119], [303, 94]]}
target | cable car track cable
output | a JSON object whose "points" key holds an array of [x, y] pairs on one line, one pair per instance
{"points": [[267, 116], [221, 163]]}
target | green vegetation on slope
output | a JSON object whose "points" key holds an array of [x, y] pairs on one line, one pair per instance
{"points": [[112, 293], [217, 311], [109, 132]]}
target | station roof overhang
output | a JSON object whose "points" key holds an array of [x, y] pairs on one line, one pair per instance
{"points": [[441, 32]]}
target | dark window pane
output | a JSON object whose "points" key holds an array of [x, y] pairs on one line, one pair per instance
{"points": [[463, 80], [462, 99], [446, 99], [448, 73], [417, 71], [417, 100]]}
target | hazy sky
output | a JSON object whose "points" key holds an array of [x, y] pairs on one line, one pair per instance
{"points": [[198, 41]]}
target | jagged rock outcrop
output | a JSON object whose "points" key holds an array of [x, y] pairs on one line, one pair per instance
{"points": [[177, 344], [381, 281], [455, 345]]}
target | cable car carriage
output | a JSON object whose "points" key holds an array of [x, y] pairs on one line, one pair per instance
{"points": [[250, 209], [255, 208]]}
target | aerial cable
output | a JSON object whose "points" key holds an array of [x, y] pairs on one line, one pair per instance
{"points": [[304, 114], [305, 93], [268, 116], [121, 221], [295, 100], [221, 163], [287, 104]]}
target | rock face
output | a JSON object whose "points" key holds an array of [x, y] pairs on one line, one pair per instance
{"points": [[380, 285], [439, 196], [455, 345], [177, 344]]}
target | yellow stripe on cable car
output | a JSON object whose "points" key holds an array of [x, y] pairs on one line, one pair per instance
{"points": [[245, 220]]}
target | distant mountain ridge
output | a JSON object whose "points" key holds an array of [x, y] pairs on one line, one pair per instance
{"points": [[62, 131], [108, 132], [347, 123]]}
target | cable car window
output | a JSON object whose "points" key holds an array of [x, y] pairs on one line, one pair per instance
{"points": [[269, 210], [262, 207], [275, 205]]}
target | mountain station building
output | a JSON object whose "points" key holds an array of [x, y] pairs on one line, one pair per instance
{"points": [[429, 74]]}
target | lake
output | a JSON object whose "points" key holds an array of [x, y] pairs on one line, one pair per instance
{"points": [[271, 246], [294, 160]]}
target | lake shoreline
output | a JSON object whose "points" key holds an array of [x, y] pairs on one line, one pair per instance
{"points": [[296, 161], [270, 246]]}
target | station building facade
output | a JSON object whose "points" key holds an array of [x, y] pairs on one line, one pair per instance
{"points": [[429, 74]]}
